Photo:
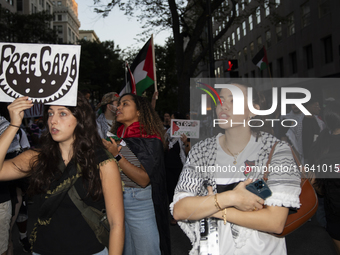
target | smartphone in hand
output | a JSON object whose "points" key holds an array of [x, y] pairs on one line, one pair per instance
{"points": [[259, 188]]}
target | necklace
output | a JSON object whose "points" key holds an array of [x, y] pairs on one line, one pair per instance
{"points": [[234, 155]]}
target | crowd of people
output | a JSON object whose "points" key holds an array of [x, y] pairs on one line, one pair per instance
{"points": [[121, 157]]}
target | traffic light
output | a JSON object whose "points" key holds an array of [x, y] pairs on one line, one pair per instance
{"points": [[230, 68]]}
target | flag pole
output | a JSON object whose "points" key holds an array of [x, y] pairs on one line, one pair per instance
{"points": [[154, 64], [125, 69]]}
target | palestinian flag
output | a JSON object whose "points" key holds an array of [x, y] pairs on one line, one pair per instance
{"points": [[260, 59], [142, 70]]}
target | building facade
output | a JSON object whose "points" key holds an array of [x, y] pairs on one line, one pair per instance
{"points": [[65, 15], [88, 35], [306, 43], [10, 5], [66, 21]]}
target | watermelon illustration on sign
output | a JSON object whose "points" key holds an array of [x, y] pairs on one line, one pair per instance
{"points": [[42, 72]]}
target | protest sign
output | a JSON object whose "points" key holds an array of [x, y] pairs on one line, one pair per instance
{"points": [[45, 73], [190, 128]]}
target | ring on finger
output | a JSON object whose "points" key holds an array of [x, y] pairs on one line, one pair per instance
{"points": [[259, 200], [254, 209]]}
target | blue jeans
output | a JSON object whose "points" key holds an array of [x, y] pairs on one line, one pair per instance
{"points": [[141, 232]]}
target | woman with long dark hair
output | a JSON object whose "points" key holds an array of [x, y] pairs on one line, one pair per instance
{"points": [[71, 155], [213, 185], [325, 155], [140, 156]]}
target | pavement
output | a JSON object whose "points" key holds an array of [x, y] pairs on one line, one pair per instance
{"points": [[310, 239]]}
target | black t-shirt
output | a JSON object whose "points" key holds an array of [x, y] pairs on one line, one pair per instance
{"points": [[310, 128], [172, 158], [68, 232], [4, 192]]}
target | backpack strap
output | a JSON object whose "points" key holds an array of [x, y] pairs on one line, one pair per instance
{"points": [[86, 211]]}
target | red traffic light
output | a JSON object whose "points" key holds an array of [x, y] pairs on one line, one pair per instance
{"points": [[231, 65]]}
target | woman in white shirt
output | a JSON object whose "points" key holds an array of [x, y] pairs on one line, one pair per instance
{"points": [[235, 159]]}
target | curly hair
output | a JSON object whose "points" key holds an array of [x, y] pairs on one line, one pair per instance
{"points": [[151, 123], [43, 166]]}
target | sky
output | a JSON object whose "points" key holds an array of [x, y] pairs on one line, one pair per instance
{"points": [[116, 27]]}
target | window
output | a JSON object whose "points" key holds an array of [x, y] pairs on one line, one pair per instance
{"points": [[267, 7], [268, 38], [228, 42], [225, 46], [238, 33], [277, 3], [60, 29], [279, 32], [291, 24], [309, 56], [233, 39], [239, 57], [244, 28], [259, 43], [237, 10], [324, 8], [258, 15], [305, 14], [250, 19], [223, 24], [328, 49], [251, 47], [212, 21], [85, 38], [245, 53], [293, 62], [280, 67], [59, 3], [60, 17]]}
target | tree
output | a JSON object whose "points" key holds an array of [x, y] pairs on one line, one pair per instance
{"points": [[101, 69], [20, 28], [189, 21]]}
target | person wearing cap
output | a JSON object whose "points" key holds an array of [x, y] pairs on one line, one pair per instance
{"points": [[107, 118]]}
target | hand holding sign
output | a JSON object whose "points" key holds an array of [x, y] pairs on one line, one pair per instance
{"points": [[16, 109]]}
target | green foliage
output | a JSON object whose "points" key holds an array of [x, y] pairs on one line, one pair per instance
{"points": [[20, 28], [188, 21], [101, 69]]}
